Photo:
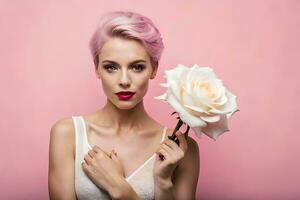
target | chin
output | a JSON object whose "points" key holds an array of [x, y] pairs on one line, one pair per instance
{"points": [[126, 107]]}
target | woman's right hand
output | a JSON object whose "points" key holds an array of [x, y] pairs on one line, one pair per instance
{"points": [[104, 170]]}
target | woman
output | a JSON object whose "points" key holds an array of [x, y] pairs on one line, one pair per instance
{"points": [[109, 154]]}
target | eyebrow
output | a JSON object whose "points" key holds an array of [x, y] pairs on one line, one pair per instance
{"points": [[133, 62]]}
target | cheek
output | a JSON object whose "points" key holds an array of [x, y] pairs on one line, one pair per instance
{"points": [[107, 86], [141, 82], [143, 87]]}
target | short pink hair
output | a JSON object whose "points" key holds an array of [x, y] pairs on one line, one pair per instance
{"points": [[128, 25]]}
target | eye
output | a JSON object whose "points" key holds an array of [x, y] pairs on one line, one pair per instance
{"points": [[109, 67], [138, 67]]}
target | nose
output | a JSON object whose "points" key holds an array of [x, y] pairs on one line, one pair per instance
{"points": [[124, 80]]}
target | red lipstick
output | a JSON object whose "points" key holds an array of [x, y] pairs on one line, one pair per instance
{"points": [[125, 95]]}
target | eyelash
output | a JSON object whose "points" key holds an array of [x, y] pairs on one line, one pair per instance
{"points": [[109, 66]]}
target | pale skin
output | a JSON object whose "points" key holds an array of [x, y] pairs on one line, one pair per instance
{"points": [[126, 128]]}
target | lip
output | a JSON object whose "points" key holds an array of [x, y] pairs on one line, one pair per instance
{"points": [[125, 95]]}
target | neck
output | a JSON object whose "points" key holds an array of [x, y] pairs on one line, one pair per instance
{"points": [[125, 120]]}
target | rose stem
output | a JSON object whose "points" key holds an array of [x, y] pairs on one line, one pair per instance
{"points": [[173, 136], [178, 125], [186, 132]]}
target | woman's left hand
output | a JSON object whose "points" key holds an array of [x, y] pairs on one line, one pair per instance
{"points": [[104, 170], [172, 153]]}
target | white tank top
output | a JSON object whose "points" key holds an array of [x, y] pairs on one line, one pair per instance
{"points": [[141, 180]]}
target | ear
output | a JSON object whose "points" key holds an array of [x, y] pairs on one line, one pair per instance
{"points": [[154, 67], [97, 72], [96, 65]]}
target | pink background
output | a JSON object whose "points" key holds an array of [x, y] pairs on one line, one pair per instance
{"points": [[47, 74]]}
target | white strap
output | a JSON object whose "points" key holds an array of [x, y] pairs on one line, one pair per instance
{"points": [[79, 138], [164, 133]]}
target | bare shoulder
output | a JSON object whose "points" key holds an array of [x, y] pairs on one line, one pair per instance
{"points": [[61, 161], [63, 125], [62, 133]]}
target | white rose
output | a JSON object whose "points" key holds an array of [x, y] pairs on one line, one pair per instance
{"points": [[200, 99]]}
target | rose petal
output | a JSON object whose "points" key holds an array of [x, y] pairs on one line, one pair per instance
{"points": [[188, 100], [197, 101], [203, 69], [174, 74], [188, 78], [230, 114], [202, 74], [162, 97], [214, 130], [164, 85], [210, 119], [174, 89], [218, 112], [197, 131], [191, 120], [219, 90], [231, 104], [222, 101], [195, 108], [184, 76], [220, 96], [199, 97]]}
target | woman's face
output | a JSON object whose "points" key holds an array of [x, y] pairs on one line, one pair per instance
{"points": [[124, 65]]}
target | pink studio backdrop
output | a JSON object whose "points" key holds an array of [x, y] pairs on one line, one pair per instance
{"points": [[47, 74]]}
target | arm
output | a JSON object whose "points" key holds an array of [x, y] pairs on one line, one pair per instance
{"points": [[185, 178], [116, 185], [61, 161], [124, 192], [61, 178], [187, 173]]}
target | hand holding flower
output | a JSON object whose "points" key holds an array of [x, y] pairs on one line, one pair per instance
{"points": [[168, 156]]}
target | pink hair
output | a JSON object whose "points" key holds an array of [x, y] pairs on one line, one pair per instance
{"points": [[128, 25]]}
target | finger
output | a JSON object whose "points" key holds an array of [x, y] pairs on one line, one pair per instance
{"points": [[177, 151], [171, 144], [167, 149], [114, 156], [182, 141], [97, 149], [92, 153], [85, 167], [175, 154], [88, 159], [163, 153], [111, 154]]}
